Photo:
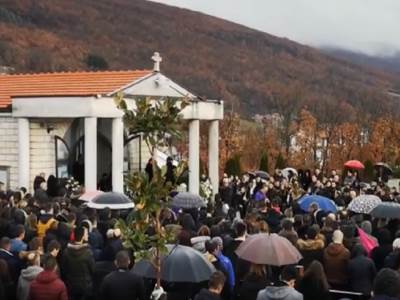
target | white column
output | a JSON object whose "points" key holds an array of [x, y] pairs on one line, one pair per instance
{"points": [[23, 153], [90, 154], [213, 155], [117, 155], [194, 156]]}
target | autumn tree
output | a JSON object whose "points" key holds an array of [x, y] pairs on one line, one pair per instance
{"points": [[230, 138]]}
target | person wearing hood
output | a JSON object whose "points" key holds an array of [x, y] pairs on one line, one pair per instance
{"points": [[47, 285], [28, 275], [215, 287], [283, 289], [378, 254], [393, 259], [311, 247], [386, 285], [362, 271], [336, 259], [199, 242], [78, 265]]}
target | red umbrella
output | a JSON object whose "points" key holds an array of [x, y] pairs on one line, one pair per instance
{"points": [[268, 249], [354, 164]]}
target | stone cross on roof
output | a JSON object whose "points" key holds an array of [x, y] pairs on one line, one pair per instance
{"points": [[157, 60]]}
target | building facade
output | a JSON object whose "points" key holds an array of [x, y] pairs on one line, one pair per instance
{"points": [[67, 124]]}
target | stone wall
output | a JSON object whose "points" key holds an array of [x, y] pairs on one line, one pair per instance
{"points": [[9, 149], [42, 145]]}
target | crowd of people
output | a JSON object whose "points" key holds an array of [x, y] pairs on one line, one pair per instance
{"points": [[53, 247]]}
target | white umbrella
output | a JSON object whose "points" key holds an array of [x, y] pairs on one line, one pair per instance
{"points": [[286, 172]]}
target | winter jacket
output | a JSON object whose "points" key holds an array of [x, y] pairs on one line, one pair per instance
{"points": [[336, 259], [206, 295], [25, 280], [310, 250], [77, 269], [199, 243], [392, 261], [316, 244], [362, 272], [115, 285], [280, 292], [44, 224], [227, 265], [291, 235], [379, 254], [47, 286], [13, 262], [250, 287]]}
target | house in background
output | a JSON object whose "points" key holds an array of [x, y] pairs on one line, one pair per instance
{"points": [[67, 124]]}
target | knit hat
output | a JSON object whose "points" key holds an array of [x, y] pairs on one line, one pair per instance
{"points": [[337, 237], [396, 244]]}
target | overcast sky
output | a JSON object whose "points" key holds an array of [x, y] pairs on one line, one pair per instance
{"points": [[369, 26]]}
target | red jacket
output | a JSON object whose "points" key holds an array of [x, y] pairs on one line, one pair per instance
{"points": [[47, 286]]}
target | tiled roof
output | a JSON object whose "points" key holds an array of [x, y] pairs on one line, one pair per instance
{"points": [[64, 84]]}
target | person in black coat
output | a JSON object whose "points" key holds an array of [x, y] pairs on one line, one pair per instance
{"points": [[122, 284], [13, 262], [379, 253], [361, 271]]}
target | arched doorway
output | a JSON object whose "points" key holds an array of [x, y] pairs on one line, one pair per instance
{"points": [[70, 160]]}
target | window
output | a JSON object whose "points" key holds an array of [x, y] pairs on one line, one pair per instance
{"points": [[62, 158]]}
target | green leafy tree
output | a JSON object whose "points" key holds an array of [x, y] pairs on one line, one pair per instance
{"points": [[280, 162], [233, 165], [264, 162], [369, 170], [96, 62], [156, 121]]}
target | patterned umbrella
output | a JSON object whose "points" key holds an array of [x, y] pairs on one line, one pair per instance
{"points": [[354, 164], [324, 203], [188, 200], [181, 264], [268, 249], [388, 210], [364, 204]]}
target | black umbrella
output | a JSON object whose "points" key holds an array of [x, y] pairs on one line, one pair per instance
{"points": [[111, 200], [388, 210], [386, 168], [188, 200], [181, 264]]}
